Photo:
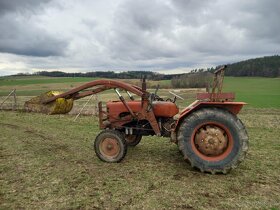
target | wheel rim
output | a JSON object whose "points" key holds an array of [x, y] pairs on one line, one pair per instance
{"points": [[109, 148], [212, 141]]}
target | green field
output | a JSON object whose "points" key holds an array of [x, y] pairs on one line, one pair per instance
{"points": [[34, 85], [31, 80], [47, 162], [257, 92]]}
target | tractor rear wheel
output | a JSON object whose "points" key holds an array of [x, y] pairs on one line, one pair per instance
{"points": [[110, 146], [213, 140], [133, 140]]}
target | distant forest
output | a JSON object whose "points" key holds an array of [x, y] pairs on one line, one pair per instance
{"points": [[110, 74], [259, 67], [268, 66]]}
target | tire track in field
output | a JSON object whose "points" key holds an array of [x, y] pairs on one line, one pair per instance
{"points": [[26, 130]]}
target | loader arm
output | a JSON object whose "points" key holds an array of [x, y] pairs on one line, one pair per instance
{"points": [[102, 85]]}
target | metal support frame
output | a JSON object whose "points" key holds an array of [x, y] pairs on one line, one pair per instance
{"points": [[216, 94], [218, 82]]}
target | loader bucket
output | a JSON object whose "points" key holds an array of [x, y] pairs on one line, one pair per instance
{"points": [[59, 106]]}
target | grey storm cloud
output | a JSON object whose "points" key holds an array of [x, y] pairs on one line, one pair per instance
{"points": [[151, 29], [21, 34], [138, 34], [7, 6], [141, 31]]}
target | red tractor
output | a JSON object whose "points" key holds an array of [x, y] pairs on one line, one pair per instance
{"points": [[208, 133]]}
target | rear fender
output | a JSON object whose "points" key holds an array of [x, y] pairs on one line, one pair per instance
{"points": [[233, 107]]}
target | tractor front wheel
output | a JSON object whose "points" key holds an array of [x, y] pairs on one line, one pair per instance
{"points": [[213, 140], [110, 146], [133, 140]]}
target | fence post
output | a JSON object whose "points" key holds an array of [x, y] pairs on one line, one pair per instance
{"points": [[96, 106], [15, 100]]}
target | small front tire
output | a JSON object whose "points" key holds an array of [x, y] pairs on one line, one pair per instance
{"points": [[133, 140], [110, 146]]}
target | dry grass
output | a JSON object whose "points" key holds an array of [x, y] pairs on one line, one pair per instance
{"points": [[47, 162]]}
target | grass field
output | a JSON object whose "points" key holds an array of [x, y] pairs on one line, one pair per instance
{"points": [[34, 85], [257, 92], [32, 80], [47, 162]]}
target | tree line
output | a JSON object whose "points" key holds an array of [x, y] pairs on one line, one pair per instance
{"points": [[111, 75], [268, 66]]}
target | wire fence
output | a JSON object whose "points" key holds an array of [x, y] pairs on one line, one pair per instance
{"points": [[82, 107], [89, 105]]}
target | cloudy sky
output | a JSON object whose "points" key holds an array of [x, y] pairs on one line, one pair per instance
{"points": [[161, 35]]}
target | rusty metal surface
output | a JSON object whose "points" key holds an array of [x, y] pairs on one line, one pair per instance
{"points": [[165, 109], [127, 107], [233, 107], [211, 140], [218, 79], [212, 150], [90, 92], [105, 83], [160, 108], [109, 147], [140, 110], [216, 96], [150, 116]]}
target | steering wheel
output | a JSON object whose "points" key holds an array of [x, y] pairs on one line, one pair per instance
{"points": [[154, 97], [170, 100]]}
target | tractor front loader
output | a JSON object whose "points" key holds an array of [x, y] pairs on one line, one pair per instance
{"points": [[208, 132]]}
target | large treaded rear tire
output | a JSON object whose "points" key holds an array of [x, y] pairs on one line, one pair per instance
{"points": [[110, 146], [227, 125]]}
